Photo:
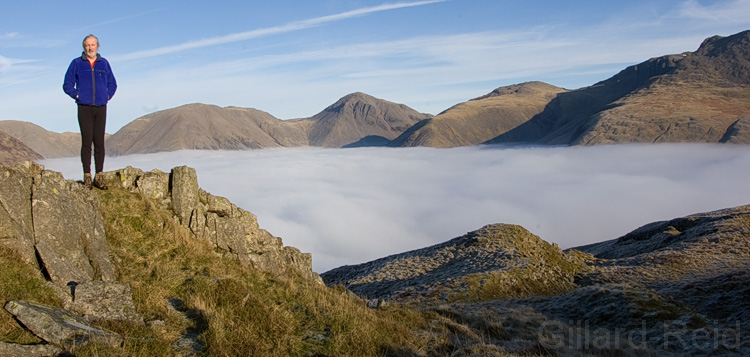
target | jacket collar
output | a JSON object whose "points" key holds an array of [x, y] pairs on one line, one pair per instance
{"points": [[83, 56]]}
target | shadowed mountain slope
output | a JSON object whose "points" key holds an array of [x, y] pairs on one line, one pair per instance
{"points": [[701, 96], [13, 151], [481, 119], [48, 144]]}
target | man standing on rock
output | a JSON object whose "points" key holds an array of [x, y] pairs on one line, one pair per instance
{"points": [[90, 81]]}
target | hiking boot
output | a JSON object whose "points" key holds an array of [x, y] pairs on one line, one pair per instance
{"points": [[87, 181], [99, 181]]}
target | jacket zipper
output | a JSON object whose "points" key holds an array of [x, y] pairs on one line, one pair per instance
{"points": [[93, 86]]}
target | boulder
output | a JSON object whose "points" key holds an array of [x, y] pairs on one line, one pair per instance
{"points": [[184, 192], [100, 300], [60, 327]]}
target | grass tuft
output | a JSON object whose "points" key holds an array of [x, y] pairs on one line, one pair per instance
{"points": [[234, 310]]}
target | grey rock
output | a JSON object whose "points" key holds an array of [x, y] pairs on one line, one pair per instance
{"points": [[38, 350], [55, 225], [103, 301], [154, 185], [125, 178], [16, 230], [60, 327], [234, 231], [69, 230], [184, 192]]}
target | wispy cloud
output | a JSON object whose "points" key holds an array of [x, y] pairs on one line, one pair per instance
{"points": [[118, 19], [7, 64], [735, 11], [292, 26], [348, 206]]}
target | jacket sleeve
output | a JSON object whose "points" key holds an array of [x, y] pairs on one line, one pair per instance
{"points": [[111, 82], [69, 83]]}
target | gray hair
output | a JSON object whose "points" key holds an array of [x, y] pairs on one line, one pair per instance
{"points": [[87, 37]]}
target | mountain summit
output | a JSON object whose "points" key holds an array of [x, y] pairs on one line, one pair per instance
{"points": [[203, 127], [357, 116], [701, 96], [208, 127], [481, 119]]}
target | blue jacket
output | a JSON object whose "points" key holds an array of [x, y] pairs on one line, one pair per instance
{"points": [[90, 86]]}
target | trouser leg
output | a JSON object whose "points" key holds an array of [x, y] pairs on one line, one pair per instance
{"points": [[86, 123], [100, 123], [92, 122]]}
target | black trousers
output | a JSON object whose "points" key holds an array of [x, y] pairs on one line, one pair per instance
{"points": [[92, 121]]}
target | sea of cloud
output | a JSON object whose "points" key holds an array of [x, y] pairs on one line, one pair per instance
{"points": [[349, 206]]}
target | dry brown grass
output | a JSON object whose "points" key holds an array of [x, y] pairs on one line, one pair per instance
{"points": [[235, 310], [20, 281]]}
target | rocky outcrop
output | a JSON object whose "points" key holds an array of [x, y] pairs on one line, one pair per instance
{"points": [[449, 271], [681, 258], [56, 226], [69, 230], [677, 287], [232, 230], [53, 224]]}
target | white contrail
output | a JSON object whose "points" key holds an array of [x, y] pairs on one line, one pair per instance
{"points": [[292, 26]]}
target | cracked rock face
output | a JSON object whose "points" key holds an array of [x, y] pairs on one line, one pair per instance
{"points": [[16, 227], [53, 224]]}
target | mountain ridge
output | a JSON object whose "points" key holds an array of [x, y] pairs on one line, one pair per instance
{"points": [[482, 118], [699, 96], [693, 96]]}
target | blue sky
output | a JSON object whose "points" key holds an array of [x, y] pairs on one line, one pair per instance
{"points": [[294, 58]]}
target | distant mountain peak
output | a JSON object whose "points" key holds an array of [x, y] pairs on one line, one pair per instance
{"points": [[525, 88], [358, 98], [359, 115]]}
